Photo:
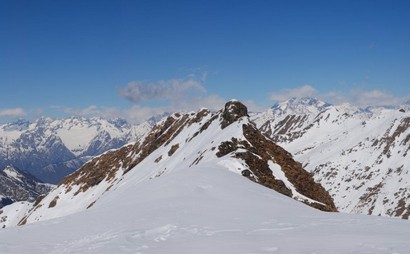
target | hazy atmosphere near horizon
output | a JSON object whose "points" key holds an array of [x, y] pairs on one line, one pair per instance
{"points": [[135, 59]]}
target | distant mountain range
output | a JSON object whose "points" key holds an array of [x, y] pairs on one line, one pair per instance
{"points": [[50, 149], [361, 156]]}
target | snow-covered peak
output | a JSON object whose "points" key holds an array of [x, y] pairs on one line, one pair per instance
{"points": [[19, 125], [42, 121], [349, 109], [302, 105], [359, 155]]}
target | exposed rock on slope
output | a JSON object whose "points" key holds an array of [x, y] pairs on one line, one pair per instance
{"points": [[182, 142], [361, 156], [16, 185]]}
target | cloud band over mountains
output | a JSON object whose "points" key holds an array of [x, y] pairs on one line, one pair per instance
{"points": [[12, 112], [173, 89], [358, 97]]}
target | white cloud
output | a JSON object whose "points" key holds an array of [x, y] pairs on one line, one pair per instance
{"points": [[357, 97], [190, 95], [253, 106], [298, 92], [363, 98], [171, 90], [177, 95], [138, 114], [12, 112]]}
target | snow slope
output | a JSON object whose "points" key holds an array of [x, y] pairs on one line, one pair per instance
{"points": [[206, 209], [359, 156], [10, 215]]}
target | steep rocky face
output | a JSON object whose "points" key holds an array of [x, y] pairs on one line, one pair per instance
{"points": [[359, 155], [51, 149], [16, 185], [232, 112], [182, 142], [258, 152]]}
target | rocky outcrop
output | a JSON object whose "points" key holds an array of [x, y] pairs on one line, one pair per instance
{"points": [[232, 112], [17, 185], [257, 150]]}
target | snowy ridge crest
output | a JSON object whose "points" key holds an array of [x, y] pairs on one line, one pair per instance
{"points": [[179, 143], [359, 156]]}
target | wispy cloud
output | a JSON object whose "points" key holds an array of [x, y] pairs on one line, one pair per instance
{"points": [[172, 90], [285, 94], [138, 113], [92, 110], [134, 114], [176, 95], [364, 98], [12, 112]]}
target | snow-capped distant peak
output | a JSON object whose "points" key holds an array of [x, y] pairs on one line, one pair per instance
{"points": [[359, 155], [18, 125], [52, 148], [301, 105], [348, 108]]}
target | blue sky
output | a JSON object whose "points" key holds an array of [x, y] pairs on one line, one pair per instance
{"points": [[123, 58]]}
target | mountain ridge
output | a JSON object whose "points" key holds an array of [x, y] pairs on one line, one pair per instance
{"points": [[178, 143], [190, 186], [357, 155]]}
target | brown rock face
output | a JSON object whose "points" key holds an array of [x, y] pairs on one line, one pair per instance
{"points": [[232, 112], [127, 157], [300, 178], [258, 150]]}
